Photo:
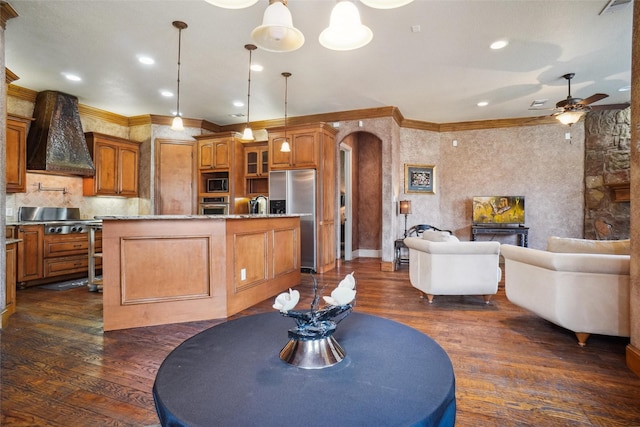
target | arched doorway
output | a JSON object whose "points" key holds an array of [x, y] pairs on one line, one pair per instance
{"points": [[360, 186]]}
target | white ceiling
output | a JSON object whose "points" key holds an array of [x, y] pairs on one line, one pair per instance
{"points": [[436, 75]]}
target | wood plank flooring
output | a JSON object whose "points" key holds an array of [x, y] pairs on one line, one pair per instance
{"points": [[512, 368]]}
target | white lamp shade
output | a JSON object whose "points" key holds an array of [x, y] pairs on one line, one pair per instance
{"points": [[285, 147], [570, 117], [247, 135], [277, 33], [385, 4], [232, 4], [177, 123], [345, 31]]}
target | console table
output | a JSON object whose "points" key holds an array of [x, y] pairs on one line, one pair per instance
{"points": [[398, 246], [231, 375], [521, 232]]}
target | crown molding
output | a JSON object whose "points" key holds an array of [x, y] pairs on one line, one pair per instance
{"points": [[340, 116], [6, 12]]}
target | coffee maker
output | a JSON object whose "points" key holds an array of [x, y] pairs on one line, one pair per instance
{"points": [[258, 205]]}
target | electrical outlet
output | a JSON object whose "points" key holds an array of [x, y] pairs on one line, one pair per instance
{"points": [[243, 274]]}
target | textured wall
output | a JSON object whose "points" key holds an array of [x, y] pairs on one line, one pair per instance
{"points": [[369, 182], [607, 161]]}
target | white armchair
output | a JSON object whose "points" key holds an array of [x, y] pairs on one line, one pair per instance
{"points": [[580, 285], [440, 264]]}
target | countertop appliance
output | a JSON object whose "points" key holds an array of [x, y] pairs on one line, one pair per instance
{"points": [[56, 220], [258, 205], [294, 192]]}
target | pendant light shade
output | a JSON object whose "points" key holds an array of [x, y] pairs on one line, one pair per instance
{"points": [[277, 33], [384, 4], [345, 31], [285, 147], [247, 135], [177, 120], [232, 4]]}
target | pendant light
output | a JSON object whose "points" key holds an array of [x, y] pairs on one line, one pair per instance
{"points": [[277, 33], [232, 4], [345, 31], [285, 147], [247, 135], [384, 4], [177, 120]]}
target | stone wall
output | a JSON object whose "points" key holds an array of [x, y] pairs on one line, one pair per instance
{"points": [[607, 163]]}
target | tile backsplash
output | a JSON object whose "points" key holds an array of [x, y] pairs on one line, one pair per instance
{"points": [[51, 194]]}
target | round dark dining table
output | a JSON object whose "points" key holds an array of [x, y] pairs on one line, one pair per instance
{"points": [[231, 375]]}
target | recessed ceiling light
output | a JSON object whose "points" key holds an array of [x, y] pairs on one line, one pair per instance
{"points": [[257, 67], [147, 60], [166, 93], [238, 104], [538, 103], [236, 115], [499, 44], [624, 89], [482, 104], [72, 77]]}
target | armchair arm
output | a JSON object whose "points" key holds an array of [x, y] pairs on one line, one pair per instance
{"points": [[575, 262]]}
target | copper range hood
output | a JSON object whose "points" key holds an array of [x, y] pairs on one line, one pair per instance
{"points": [[56, 142]]}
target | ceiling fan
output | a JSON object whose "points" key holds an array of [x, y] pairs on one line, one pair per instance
{"points": [[571, 109]]}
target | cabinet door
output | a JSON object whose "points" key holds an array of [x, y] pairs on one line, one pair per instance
{"points": [[264, 162], [205, 155], [222, 154], [10, 278], [16, 153], [106, 160], [30, 251], [127, 171], [304, 149], [251, 165], [278, 159]]}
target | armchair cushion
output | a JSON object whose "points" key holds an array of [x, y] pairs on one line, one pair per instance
{"points": [[439, 236]]}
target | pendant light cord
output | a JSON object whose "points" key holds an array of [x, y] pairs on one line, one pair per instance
{"points": [[286, 100], [250, 48], [180, 26]]}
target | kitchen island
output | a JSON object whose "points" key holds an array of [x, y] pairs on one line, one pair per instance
{"points": [[160, 269]]}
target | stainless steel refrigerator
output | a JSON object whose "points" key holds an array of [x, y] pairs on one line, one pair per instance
{"points": [[294, 192]]}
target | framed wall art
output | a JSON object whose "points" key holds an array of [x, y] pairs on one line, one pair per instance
{"points": [[419, 179]]}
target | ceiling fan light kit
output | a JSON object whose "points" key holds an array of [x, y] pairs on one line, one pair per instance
{"points": [[345, 31], [277, 33], [572, 109]]}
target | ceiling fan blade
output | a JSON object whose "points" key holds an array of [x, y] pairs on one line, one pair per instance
{"points": [[593, 98]]}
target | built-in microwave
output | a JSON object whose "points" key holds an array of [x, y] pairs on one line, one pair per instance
{"points": [[214, 205], [218, 185]]}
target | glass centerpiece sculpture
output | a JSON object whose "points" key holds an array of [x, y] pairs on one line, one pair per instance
{"points": [[311, 343]]}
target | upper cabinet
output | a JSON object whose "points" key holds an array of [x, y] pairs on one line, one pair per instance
{"points": [[215, 153], [16, 169], [256, 169], [116, 162], [304, 141]]}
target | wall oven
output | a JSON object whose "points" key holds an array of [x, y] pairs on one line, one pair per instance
{"points": [[214, 205]]}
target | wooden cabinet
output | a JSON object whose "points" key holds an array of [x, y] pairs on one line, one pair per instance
{"points": [[305, 148], [30, 252], [215, 153], [256, 170], [16, 142], [116, 162], [313, 147]]}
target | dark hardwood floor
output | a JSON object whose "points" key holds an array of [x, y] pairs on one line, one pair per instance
{"points": [[512, 368]]}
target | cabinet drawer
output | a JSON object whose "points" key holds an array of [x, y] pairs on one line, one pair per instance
{"points": [[65, 265], [65, 246]]}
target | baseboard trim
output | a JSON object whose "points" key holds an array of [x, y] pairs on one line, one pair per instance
{"points": [[633, 359]]}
